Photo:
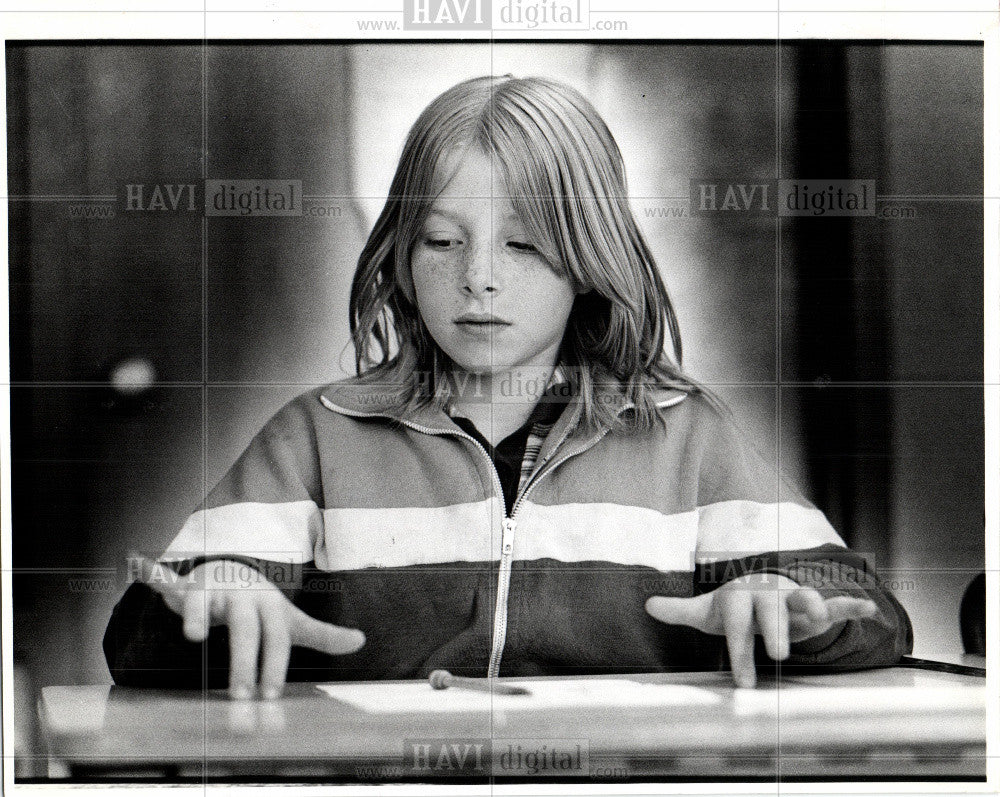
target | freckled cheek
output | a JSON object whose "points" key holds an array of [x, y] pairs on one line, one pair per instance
{"points": [[434, 267], [437, 292], [434, 278]]}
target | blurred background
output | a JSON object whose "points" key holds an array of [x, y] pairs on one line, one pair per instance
{"points": [[148, 347]]}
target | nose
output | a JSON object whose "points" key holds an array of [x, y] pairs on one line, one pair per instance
{"points": [[480, 275]]}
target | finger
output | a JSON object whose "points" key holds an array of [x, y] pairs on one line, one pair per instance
{"points": [[195, 613], [695, 612], [244, 647], [325, 637], [843, 608], [800, 627], [736, 610], [808, 601], [808, 614], [275, 652], [771, 614]]}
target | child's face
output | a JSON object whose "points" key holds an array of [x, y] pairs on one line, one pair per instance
{"points": [[490, 300]]}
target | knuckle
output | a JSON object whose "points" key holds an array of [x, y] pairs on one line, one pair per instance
{"points": [[731, 600]]}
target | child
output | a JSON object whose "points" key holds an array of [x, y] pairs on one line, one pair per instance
{"points": [[519, 481]]}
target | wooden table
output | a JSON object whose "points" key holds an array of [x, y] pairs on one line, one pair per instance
{"points": [[935, 727]]}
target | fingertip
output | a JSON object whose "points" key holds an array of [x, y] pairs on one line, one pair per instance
{"points": [[240, 692], [195, 616], [849, 608], [193, 634], [745, 680], [195, 630], [869, 609], [778, 648], [341, 641], [271, 692], [811, 603], [659, 607]]}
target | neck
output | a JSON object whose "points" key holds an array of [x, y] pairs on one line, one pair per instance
{"points": [[498, 404]]}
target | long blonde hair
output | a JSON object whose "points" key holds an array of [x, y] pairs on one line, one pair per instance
{"points": [[565, 177]]}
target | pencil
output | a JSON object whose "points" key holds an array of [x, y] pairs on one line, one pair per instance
{"points": [[442, 679]]}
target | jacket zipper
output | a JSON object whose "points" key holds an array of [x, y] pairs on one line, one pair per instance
{"points": [[503, 593], [503, 576], [508, 523]]}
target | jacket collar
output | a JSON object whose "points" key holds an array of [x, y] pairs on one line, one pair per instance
{"points": [[366, 400], [565, 436]]}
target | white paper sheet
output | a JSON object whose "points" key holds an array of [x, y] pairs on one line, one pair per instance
{"points": [[418, 696], [816, 700]]}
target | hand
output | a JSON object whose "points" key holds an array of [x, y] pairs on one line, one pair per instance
{"points": [[263, 623], [768, 604]]}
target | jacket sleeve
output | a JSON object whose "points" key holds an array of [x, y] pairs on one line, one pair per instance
{"points": [[262, 520], [752, 520]]}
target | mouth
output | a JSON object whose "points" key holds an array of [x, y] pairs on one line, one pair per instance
{"points": [[481, 321]]}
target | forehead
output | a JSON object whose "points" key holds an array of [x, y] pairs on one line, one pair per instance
{"points": [[473, 186]]}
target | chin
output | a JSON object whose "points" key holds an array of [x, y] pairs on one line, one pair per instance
{"points": [[491, 369], [480, 363]]}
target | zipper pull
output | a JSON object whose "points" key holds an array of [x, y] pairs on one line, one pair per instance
{"points": [[507, 538]]}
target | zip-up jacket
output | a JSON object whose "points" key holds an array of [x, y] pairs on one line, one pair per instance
{"points": [[395, 524]]}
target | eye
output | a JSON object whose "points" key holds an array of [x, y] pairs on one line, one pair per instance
{"points": [[521, 246], [438, 242]]}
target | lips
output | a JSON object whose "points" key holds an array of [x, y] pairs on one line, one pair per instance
{"points": [[481, 321]]}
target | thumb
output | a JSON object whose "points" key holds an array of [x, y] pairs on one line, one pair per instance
{"points": [[325, 637], [695, 612]]}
